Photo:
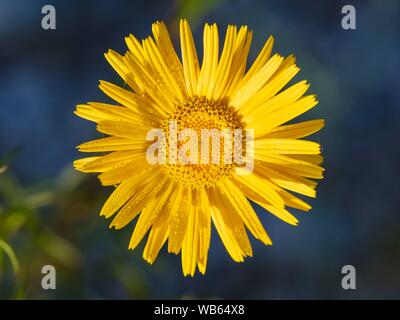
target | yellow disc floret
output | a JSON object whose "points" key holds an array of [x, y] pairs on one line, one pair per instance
{"points": [[201, 115]]}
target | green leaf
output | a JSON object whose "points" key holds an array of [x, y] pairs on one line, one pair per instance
{"points": [[11, 256], [59, 248]]}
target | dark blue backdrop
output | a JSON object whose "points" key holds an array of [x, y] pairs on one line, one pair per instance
{"points": [[355, 73]]}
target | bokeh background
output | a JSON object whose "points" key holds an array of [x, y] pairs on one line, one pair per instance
{"points": [[49, 212]]}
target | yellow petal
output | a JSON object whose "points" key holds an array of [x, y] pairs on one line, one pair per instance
{"points": [[159, 232], [316, 159], [256, 82], [271, 88], [219, 82], [204, 227], [124, 192], [152, 85], [131, 100], [293, 201], [150, 213], [157, 237], [260, 186], [136, 49], [286, 146], [116, 175], [191, 67], [179, 219], [284, 114], [112, 144], [260, 61], [210, 59], [283, 180], [138, 201], [121, 128], [190, 245], [291, 165], [260, 197], [281, 213], [297, 130], [117, 62], [237, 202], [109, 161], [255, 109], [288, 62], [239, 62], [97, 112], [167, 79], [230, 228], [164, 44], [81, 163]]}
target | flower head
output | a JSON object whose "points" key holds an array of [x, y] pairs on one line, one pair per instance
{"points": [[191, 144]]}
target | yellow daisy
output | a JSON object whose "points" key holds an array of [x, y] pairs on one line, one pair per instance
{"points": [[176, 201]]}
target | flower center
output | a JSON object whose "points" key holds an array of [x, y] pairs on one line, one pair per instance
{"points": [[200, 138]]}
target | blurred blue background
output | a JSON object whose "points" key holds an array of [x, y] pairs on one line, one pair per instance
{"points": [[49, 213]]}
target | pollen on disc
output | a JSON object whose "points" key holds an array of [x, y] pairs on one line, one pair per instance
{"points": [[200, 114]]}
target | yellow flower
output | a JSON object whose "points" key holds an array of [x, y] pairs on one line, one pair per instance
{"points": [[176, 201]]}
